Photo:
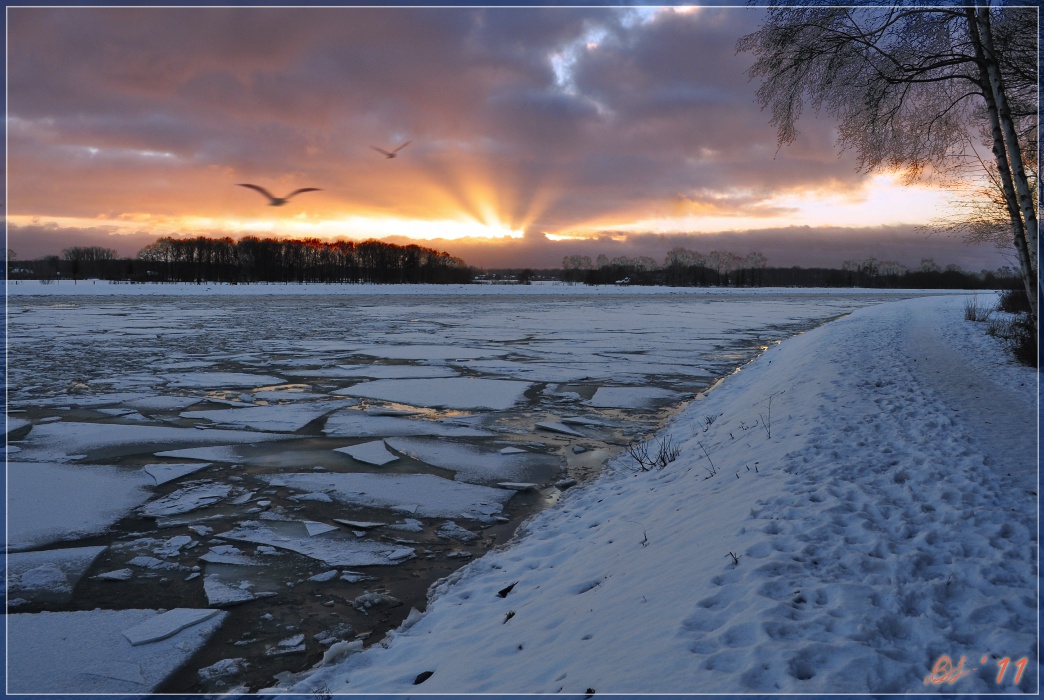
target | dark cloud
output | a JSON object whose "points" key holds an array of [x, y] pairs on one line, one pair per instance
{"points": [[545, 118]]}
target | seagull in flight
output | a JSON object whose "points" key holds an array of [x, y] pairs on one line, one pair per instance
{"points": [[393, 153], [277, 201]]}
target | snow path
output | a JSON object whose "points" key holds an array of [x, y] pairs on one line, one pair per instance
{"points": [[842, 538]]}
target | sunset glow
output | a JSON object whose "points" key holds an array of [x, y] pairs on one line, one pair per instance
{"points": [[533, 133]]}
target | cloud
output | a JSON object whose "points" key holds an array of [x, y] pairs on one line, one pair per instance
{"points": [[542, 119]]}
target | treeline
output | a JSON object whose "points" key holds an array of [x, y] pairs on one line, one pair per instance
{"points": [[688, 268], [252, 259]]}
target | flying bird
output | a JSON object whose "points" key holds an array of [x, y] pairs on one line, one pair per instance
{"points": [[392, 153], [277, 201]]}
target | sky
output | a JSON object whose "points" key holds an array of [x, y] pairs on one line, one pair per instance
{"points": [[534, 134]]}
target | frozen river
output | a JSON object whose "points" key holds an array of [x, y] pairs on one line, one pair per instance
{"points": [[308, 460]]}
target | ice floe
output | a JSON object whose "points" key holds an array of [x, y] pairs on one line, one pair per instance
{"points": [[284, 418], [424, 495], [427, 352], [633, 397], [375, 371], [351, 423], [186, 499], [64, 440], [48, 576], [334, 549], [162, 473], [471, 463], [555, 427], [373, 452], [49, 503], [83, 652], [221, 380], [455, 392], [15, 424], [220, 594], [164, 625]]}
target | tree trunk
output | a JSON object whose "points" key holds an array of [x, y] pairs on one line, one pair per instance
{"points": [[1010, 137], [1025, 243]]}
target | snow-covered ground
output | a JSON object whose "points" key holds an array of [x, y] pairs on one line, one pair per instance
{"points": [[855, 511]]}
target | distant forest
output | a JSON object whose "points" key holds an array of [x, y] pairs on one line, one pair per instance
{"points": [[265, 260], [252, 259], [688, 268]]}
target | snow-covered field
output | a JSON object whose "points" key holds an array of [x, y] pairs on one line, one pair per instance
{"points": [[854, 512], [304, 459]]}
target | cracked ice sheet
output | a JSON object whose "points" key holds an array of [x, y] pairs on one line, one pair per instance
{"points": [[287, 418], [427, 352], [48, 576], [424, 495], [633, 397], [84, 652], [61, 441], [369, 452], [334, 549], [378, 372], [353, 423], [162, 473], [54, 502], [187, 499], [472, 463], [456, 392], [222, 380]]}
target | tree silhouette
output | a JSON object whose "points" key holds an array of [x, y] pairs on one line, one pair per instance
{"points": [[908, 87]]}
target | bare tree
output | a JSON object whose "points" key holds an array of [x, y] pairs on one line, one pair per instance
{"points": [[908, 85]]}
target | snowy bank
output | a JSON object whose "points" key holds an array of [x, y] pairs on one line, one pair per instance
{"points": [[844, 514]]}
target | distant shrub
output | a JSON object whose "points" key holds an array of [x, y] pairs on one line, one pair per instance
{"points": [[975, 311], [1014, 301]]}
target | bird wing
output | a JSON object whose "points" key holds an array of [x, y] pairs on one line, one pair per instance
{"points": [[402, 146], [303, 189], [262, 190], [381, 150]]}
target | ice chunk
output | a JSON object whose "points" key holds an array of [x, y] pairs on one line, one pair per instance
{"points": [[53, 502], [162, 473], [215, 380], [427, 352], [554, 427], [425, 495], [452, 530], [220, 594], [315, 528], [166, 625], [48, 576], [392, 371], [359, 524], [186, 499], [369, 452], [472, 463], [287, 418], [457, 392], [332, 549], [353, 423], [85, 652], [633, 397], [60, 441], [116, 575], [14, 424]]}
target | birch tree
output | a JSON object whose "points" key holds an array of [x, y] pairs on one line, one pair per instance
{"points": [[908, 87]]}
